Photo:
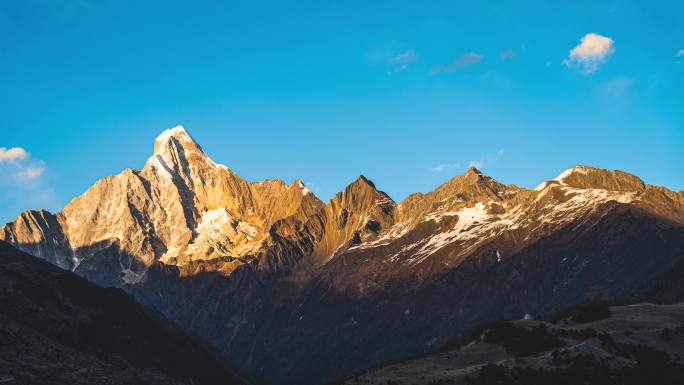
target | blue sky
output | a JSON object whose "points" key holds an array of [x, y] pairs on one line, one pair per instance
{"points": [[407, 93]]}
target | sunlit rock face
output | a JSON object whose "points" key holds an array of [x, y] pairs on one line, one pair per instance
{"points": [[278, 280], [181, 207]]}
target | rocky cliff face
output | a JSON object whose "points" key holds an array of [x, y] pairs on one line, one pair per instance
{"points": [[274, 277], [180, 208]]}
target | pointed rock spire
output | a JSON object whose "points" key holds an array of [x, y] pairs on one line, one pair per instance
{"points": [[176, 152], [362, 182], [177, 136], [473, 170], [474, 177]]}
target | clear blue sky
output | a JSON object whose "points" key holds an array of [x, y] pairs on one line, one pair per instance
{"points": [[406, 93]]}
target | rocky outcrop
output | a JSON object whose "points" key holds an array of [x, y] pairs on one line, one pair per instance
{"points": [[180, 208], [357, 215], [40, 233], [274, 277]]}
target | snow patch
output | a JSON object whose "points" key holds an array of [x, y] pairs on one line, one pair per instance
{"points": [[177, 132], [305, 190], [580, 201], [466, 228], [248, 229], [568, 172], [541, 186], [212, 220], [131, 277], [160, 167], [181, 135], [395, 232], [171, 252]]}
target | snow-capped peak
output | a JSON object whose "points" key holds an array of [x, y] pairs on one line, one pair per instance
{"points": [[176, 144], [178, 133], [562, 176], [305, 190], [574, 170]]}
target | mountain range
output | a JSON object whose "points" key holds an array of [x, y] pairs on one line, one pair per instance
{"points": [[295, 290]]}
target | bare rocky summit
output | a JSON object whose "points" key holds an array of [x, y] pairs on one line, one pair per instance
{"points": [[278, 279], [180, 208]]}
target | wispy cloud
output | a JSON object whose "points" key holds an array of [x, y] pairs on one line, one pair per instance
{"points": [[486, 160], [33, 171], [476, 163], [445, 167], [460, 63], [483, 162], [616, 94], [593, 51], [507, 54], [616, 87], [12, 154], [17, 165], [22, 180], [313, 187], [401, 61]]}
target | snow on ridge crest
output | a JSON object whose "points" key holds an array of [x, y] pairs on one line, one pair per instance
{"points": [[189, 147], [561, 177], [570, 171], [178, 132], [212, 220], [305, 190]]}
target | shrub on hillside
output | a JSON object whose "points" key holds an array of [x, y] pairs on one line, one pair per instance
{"points": [[521, 341], [587, 311]]}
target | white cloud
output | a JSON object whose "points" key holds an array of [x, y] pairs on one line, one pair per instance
{"points": [[12, 154], [487, 160], [461, 62], [402, 60], [468, 59], [476, 163], [445, 167], [473, 163], [23, 183], [31, 172], [313, 187], [616, 87], [593, 51], [16, 165], [507, 54]]}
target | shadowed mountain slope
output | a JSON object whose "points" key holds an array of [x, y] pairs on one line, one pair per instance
{"points": [[294, 290], [57, 328], [635, 344]]}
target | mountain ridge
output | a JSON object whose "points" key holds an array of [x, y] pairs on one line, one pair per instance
{"points": [[207, 196], [273, 276]]}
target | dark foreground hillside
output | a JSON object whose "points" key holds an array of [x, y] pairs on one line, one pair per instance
{"points": [[57, 328], [637, 344]]}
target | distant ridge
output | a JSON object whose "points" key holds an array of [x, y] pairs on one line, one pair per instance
{"points": [[278, 279]]}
